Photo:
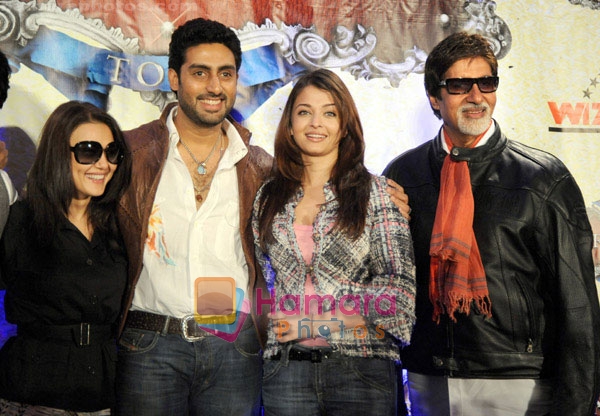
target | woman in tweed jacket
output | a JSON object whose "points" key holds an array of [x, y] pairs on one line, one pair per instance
{"points": [[337, 257]]}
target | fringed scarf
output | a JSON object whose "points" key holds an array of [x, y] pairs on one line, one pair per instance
{"points": [[457, 276]]}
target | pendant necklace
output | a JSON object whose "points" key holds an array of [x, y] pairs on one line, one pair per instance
{"points": [[198, 190], [201, 166]]}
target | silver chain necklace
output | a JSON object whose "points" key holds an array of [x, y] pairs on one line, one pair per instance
{"points": [[201, 168]]}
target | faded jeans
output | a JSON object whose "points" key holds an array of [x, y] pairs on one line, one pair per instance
{"points": [[335, 386], [165, 375]]}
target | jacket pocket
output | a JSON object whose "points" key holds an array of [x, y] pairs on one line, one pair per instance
{"points": [[526, 316]]}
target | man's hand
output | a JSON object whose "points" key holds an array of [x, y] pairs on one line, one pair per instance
{"points": [[399, 198], [3, 155], [301, 326], [286, 327]]}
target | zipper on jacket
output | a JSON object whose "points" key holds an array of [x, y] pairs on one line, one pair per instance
{"points": [[531, 319], [530, 345]]}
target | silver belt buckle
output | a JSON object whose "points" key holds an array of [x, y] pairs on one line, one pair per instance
{"points": [[184, 329], [84, 334]]}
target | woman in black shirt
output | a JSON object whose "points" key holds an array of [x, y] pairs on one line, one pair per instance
{"points": [[64, 268]]}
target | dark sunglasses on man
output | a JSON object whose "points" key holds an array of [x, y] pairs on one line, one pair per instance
{"points": [[457, 86], [89, 152]]}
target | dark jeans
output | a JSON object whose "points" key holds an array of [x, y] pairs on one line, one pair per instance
{"points": [[165, 375], [335, 386]]}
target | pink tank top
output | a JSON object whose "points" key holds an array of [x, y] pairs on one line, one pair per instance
{"points": [[304, 237]]}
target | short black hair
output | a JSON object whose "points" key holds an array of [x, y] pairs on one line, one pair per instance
{"points": [[199, 31]]}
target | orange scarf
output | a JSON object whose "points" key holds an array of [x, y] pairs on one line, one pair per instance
{"points": [[457, 276]]}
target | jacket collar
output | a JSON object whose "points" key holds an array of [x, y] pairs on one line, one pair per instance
{"points": [[496, 144], [327, 190]]}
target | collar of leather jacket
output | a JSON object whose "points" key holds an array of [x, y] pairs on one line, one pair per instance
{"points": [[494, 146]]}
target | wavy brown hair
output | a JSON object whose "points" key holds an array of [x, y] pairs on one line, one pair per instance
{"points": [[349, 177]]}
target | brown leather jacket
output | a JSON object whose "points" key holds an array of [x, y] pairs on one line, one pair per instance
{"points": [[149, 145]]}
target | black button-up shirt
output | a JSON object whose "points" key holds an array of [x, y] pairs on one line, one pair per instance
{"points": [[75, 280], [71, 284]]}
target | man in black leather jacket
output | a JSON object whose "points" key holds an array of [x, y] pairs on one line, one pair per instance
{"points": [[537, 350]]}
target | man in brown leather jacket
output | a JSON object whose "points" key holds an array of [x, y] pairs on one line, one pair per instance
{"points": [[186, 223], [185, 344]]}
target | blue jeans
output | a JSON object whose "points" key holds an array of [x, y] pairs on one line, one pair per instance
{"points": [[335, 386], [165, 375]]}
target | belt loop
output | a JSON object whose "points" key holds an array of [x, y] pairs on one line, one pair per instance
{"points": [[315, 356], [84, 334], [285, 354], [165, 329]]}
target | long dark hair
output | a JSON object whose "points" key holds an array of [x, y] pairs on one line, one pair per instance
{"points": [[50, 187], [349, 177]]}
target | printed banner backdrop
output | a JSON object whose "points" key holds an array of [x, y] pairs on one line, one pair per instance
{"points": [[113, 53]]}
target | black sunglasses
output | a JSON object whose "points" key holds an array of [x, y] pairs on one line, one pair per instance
{"points": [[88, 152], [463, 85]]}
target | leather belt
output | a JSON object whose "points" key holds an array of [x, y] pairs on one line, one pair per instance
{"points": [[187, 327], [314, 355]]}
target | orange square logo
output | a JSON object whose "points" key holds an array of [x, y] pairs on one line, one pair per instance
{"points": [[215, 300]]}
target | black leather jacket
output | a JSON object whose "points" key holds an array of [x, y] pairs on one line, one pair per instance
{"points": [[535, 241]]}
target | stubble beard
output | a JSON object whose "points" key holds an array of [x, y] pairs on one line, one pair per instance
{"points": [[202, 120]]}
